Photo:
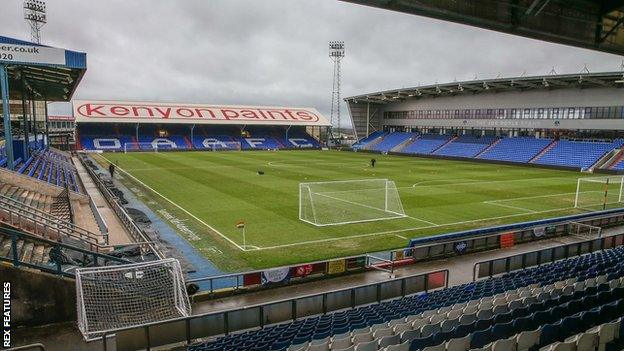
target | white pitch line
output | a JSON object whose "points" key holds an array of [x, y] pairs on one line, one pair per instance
{"points": [[378, 209], [405, 230], [181, 208], [509, 206]]}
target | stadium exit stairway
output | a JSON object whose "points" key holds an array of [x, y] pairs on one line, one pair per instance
{"points": [[460, 271], [117, 233]]}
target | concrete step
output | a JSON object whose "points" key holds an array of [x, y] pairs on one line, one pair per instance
{"points": [[5, 245], [26, 253], [37, 255]]}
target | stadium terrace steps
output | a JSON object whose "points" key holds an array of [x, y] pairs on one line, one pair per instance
{"points": [[489, 147], [372, 143], [51, 166], [29, 252], [391, 140], [448, 142], [399, 148], [464, 146], [618, 162], [577, 154], [558, 299], [426, 144], [360, 144], [518, 149], [543, 151], [30, 198]]}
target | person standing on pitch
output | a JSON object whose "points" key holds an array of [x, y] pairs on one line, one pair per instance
{"points": [[372, 162], [111, 170]]}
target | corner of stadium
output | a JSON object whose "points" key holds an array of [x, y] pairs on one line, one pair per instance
{"points": [[472, 215]]}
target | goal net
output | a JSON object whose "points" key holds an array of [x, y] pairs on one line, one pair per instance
{"points": [[129, 147], [349, 201], [583, 230], [129, 295], [599, 193], [225, 146]]}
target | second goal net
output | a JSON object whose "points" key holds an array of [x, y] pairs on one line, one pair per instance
{"points": [[599, 193], [349, 201]]}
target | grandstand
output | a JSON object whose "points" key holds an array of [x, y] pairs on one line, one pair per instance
{"points": [[185, 227], [138, 127], [497, 120]]}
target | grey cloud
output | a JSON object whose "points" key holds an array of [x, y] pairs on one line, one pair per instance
{"points": [[274, 52]]}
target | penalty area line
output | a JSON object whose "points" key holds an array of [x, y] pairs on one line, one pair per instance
{"points": [[394, 232], [185, 211]]}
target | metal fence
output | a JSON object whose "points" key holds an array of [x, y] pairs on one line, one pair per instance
{"points": [[55, 264], [487, 269], [472, 241], [137, 234], [194, 327]]}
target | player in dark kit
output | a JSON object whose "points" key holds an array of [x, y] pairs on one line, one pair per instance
{"points": [[111, 169], [372, 162]]}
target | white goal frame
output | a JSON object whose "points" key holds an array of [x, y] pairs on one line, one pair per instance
{"points": [[390, 189], [125, 296], [586, 231], [611, 184], [152, 147], [231, 146]]}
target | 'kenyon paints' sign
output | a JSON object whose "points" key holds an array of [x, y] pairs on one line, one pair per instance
{"points": [[149, 112]]}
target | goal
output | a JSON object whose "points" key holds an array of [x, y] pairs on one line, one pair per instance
{"points": [[123, 296], [225, 146], [349, 201], [586, 231], [599, 193], [128, 147]]}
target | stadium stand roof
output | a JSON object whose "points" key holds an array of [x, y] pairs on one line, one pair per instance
{"points": [[49, 73], [591, 24], [181, 113], [579, 80]]}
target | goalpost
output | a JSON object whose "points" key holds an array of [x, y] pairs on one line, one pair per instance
{"points": [[127, 147], [598, 193], [129, 295], [225, 146], [583, 230], [349, 201]]}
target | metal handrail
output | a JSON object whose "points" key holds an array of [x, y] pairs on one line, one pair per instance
{"points": [[539, 260], [137, 234], [47, 215], [16, 260], [37, 346], [49, 222], [293, 300]]}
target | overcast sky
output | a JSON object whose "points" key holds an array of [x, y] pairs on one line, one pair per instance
{"points": [[274, 52]]}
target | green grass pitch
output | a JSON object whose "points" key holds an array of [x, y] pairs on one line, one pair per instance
{"points": [[204, 194]]}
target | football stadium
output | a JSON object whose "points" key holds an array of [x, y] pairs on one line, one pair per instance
{"points": [[483, 214]]}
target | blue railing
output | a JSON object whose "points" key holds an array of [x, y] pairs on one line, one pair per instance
{"points": [[54, 265]]}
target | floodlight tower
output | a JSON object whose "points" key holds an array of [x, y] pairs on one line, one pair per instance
{"points": [[336, 53], [35, 15]]}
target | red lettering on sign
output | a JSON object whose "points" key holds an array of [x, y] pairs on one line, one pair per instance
{"points": [[229, 114], [165, 113], [119, 110]]}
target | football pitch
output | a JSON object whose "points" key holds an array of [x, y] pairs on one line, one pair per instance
{"points": [[205, 194]]}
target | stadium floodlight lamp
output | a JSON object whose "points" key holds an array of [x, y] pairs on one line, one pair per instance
{"points": [[336, 49], [35, 11]]}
